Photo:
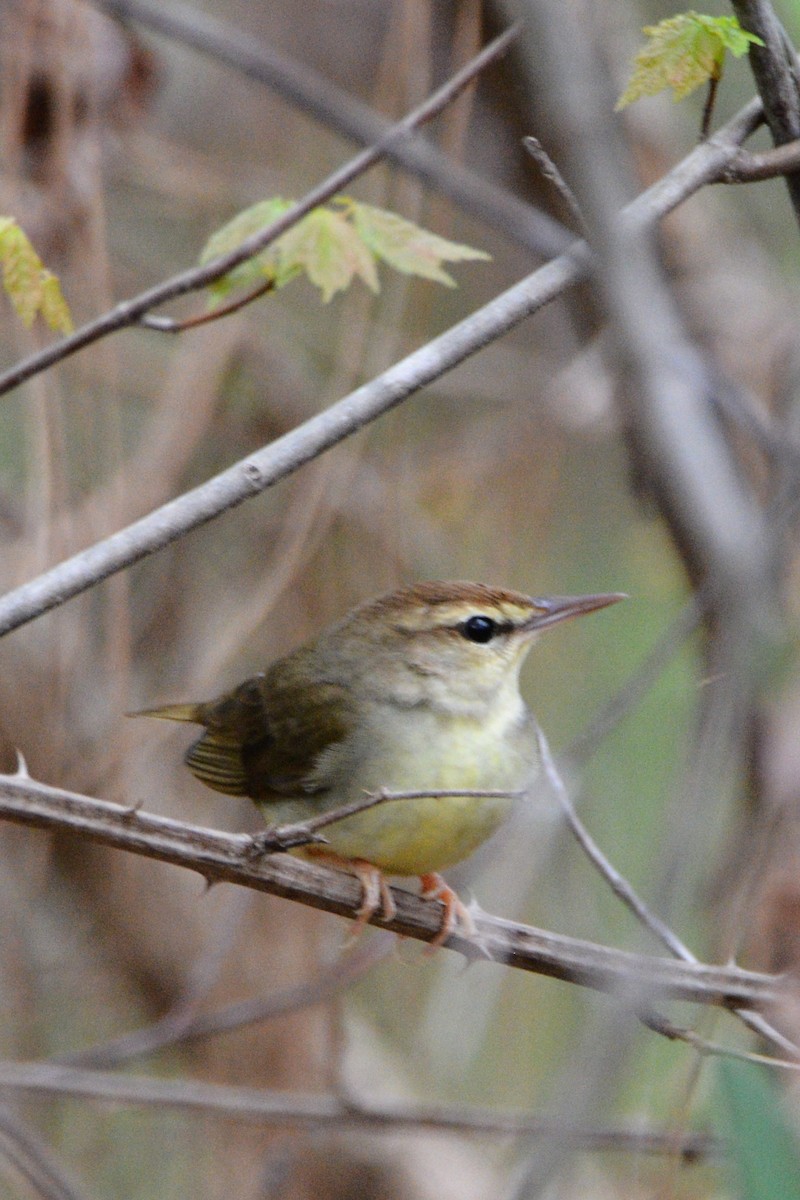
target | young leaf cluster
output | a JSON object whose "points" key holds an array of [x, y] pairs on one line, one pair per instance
{"points": [[683, 53], [32, 289], [332, 246]]}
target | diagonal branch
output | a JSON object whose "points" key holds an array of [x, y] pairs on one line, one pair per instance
{"points": [[314, 94], [260, 470], [129, 312], [21, 1145], [224, 857], [630, 898]]}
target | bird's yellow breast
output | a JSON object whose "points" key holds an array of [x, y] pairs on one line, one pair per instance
{"points": [[414, 837]]}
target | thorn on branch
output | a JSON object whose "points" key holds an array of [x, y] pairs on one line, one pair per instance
{"points": [[22, 771], [132, 810], [280, 838]]}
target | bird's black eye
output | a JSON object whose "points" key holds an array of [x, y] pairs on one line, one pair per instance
{"points": [[479, 629]]}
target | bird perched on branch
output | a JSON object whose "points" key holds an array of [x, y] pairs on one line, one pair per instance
{"points": [[415, 691]]}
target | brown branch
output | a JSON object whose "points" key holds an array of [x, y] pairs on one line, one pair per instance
{"points": [[708, 107], [223, 856], [300, 1109], [170, 325], [551, 173]]}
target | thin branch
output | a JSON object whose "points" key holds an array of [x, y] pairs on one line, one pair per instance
{"points": [[627, 894], [703, 1046], [170, 325], [748, 167], [33, 1159], [300, 1109], [260, 470], [303, 833], [129, 312], [708, 107], [314, 94], [551, 172], [220, 856], [175, 1029], [617, 882]]}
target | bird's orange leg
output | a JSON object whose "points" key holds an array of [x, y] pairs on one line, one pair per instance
{"points": [[433, 887], [375, 891]]}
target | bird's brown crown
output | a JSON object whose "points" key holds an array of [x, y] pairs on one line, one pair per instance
{"points": [[420, 606]]}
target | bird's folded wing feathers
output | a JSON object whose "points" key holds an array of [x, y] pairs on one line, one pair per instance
{"points": [[261, 741]]}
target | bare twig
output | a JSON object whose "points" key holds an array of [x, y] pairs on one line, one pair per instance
{"points": [[314, 94], [130, 312], [303, 833], [708, 107], [175, 1029], [220, 856], [703, 1046], [261, 470], [551, 172], [34, 1160], [282, 1108], [169, 325], [627, 894], [617, 882]]}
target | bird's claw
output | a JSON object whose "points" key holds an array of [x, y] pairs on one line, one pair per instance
{"points": [[456, 913]]}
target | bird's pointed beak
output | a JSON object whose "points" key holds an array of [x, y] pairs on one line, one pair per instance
{"points": [[551, 609]]}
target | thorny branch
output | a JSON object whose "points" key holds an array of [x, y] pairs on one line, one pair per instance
{"points": [[225, 857]]}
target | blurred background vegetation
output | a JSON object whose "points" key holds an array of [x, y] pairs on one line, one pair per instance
{"points": [[123, 150]]}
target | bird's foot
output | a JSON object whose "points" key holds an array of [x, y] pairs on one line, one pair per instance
{"points": [[376, 895], [433, 887]]}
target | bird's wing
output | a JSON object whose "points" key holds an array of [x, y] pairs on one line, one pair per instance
{"points": [[265, 739]]}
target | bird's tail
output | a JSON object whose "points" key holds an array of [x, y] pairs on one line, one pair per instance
{"points": [[193, 713]]}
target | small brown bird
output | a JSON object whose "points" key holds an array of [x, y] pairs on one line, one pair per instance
{"points": [[416, 691]]}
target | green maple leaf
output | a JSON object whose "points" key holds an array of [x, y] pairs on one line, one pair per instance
{"points": [[255, 270], [32, 289], [408, 247], [327, 247], [332, 246], [683, 53]]}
